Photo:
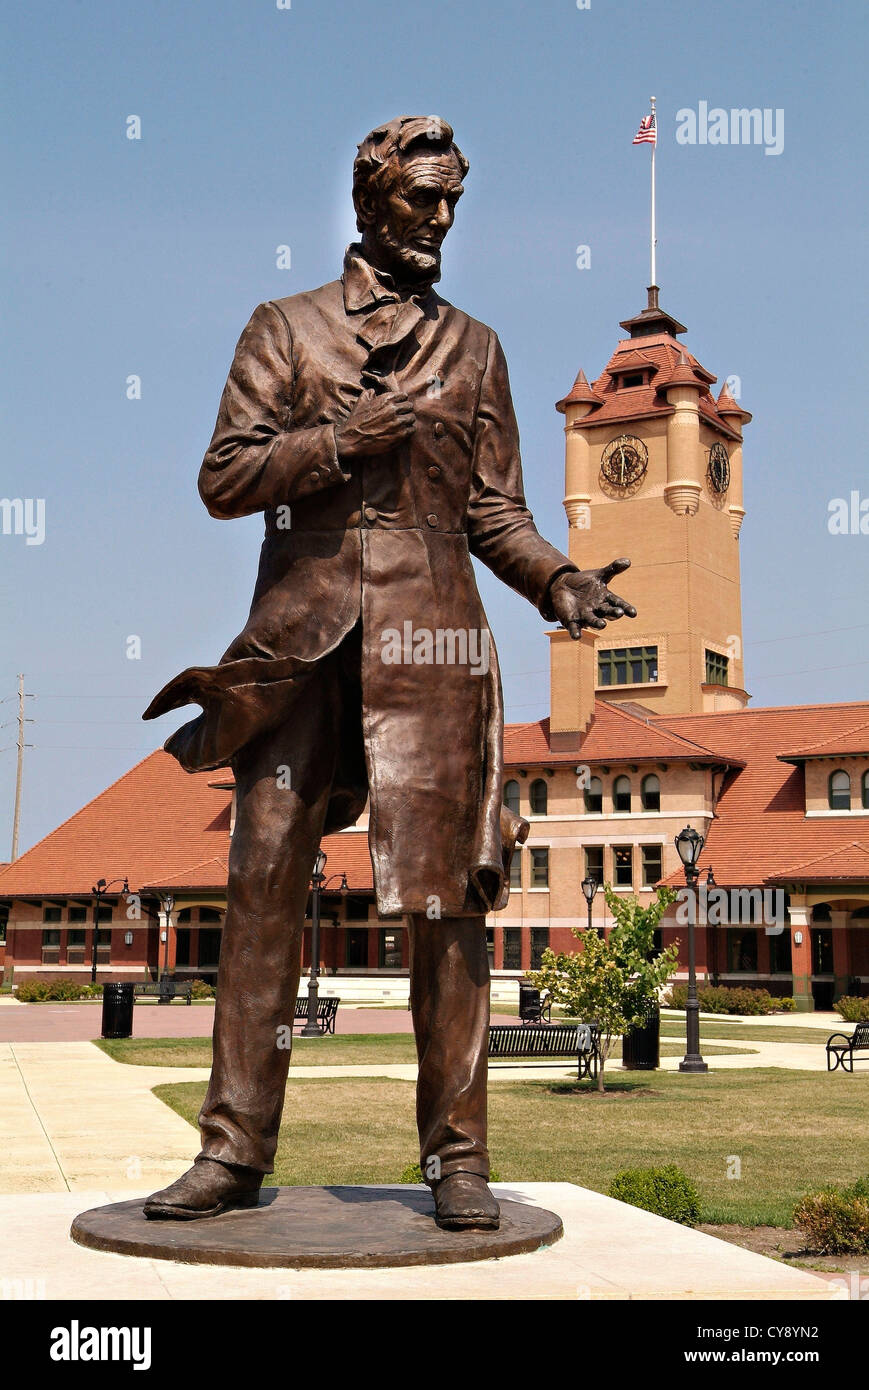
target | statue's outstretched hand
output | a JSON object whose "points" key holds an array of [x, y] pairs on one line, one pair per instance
{"points": [[582, 598]]}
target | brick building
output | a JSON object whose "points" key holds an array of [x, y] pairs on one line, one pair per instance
{"points": [[649, 729]]}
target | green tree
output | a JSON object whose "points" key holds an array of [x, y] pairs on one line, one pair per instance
{"points": [[611, 982]]}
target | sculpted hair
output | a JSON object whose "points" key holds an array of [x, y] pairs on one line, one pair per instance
{"points": [[375, 164]]}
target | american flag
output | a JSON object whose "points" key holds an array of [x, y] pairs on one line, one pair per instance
{"points": [[648, 131]]}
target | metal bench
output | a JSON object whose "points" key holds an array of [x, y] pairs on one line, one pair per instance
{"points": [[167, 990], [579, 1040], [842, 1047], [327, 1012]]}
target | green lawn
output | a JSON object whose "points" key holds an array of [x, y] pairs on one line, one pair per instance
{"points": [[790, 1132], [722, 1026], [351, 1049], [751, 1032]]}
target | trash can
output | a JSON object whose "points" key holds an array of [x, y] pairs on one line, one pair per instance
{"points": [[641, 1045], [118, 1000]]}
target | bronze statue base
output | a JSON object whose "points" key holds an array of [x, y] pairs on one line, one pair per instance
{"points": [[318, 1228]]}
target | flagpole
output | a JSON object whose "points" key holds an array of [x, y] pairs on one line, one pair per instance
{"points": [[653, 238]]}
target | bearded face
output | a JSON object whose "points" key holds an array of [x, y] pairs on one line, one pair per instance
{"points": [[411, 215]]}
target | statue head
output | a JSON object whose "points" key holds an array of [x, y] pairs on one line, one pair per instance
{"points": [[407, 179]]}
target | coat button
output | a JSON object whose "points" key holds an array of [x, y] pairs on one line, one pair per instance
{"points": [[314, 476], [370, 514], [434, 471], [438, 429], [432, 519]]}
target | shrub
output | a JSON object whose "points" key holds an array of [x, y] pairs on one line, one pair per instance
{"points": [[37, 991], [31, 991], [787, 1004], [201, 990], [725, 999], [852, 1009], [836, 1219], [413, 1174], [665, 1191]]}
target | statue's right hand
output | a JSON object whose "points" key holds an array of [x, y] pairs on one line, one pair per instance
{"points": [[375, 424]]}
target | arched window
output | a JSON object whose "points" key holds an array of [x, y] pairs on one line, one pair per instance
{"points": [[622, 794], [650, 793], [594, 797], [865, 797], [538, 796], [511, 796], [840, 791]]}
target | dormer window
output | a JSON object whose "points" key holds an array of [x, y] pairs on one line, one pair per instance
{"points": [[633, 379], [840, 791]]}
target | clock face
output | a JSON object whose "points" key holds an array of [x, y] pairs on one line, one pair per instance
{"points": [[718, 471], [624, 461]]}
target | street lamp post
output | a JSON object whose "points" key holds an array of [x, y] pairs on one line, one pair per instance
{"points": [[589, 889], [168, 905], [99, 891], [689, 843], [312, 1028]]}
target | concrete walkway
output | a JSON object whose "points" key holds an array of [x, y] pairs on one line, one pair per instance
{"points": [[71, 1119], [609, 1251]]}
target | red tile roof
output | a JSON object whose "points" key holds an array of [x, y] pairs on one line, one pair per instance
{"points": [[164, 828], [761, 830], [849, 862], [840, 743], [580, 391], [670, 364], [616, 735]]}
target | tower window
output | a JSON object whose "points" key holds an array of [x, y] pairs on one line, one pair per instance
{"points": [[594, 862], [652, 864], [539, 943], [622, 794], [538, 797], [511, 796], [540, 868], [627, 666], [516, 869], [716, 668], [594, 797], [623, 866], [840, 791], [650, 793]]}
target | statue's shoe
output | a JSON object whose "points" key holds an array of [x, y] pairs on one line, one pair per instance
{"points": [[463, 1202], [206, 1189]]}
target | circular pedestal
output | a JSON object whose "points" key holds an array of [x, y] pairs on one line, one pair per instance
{"points": [[318, 1228]]}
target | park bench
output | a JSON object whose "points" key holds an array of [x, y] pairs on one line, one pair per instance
{"points": [[327, 1012], [842, 1047], [533, 1009], [579, 1040], [167, 990]]}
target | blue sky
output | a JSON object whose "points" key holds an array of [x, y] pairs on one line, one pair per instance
{"points": [[146, 257]]}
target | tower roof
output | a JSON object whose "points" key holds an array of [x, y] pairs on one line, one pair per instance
{"points": [[654, 356], [726, 405], [652, 319], [579, 393]]}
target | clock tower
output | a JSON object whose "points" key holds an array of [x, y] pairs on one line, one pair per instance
{"points": [[654, 471]]}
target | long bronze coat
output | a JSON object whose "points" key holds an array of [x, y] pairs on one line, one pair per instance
{"points": [[386, 541]]}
